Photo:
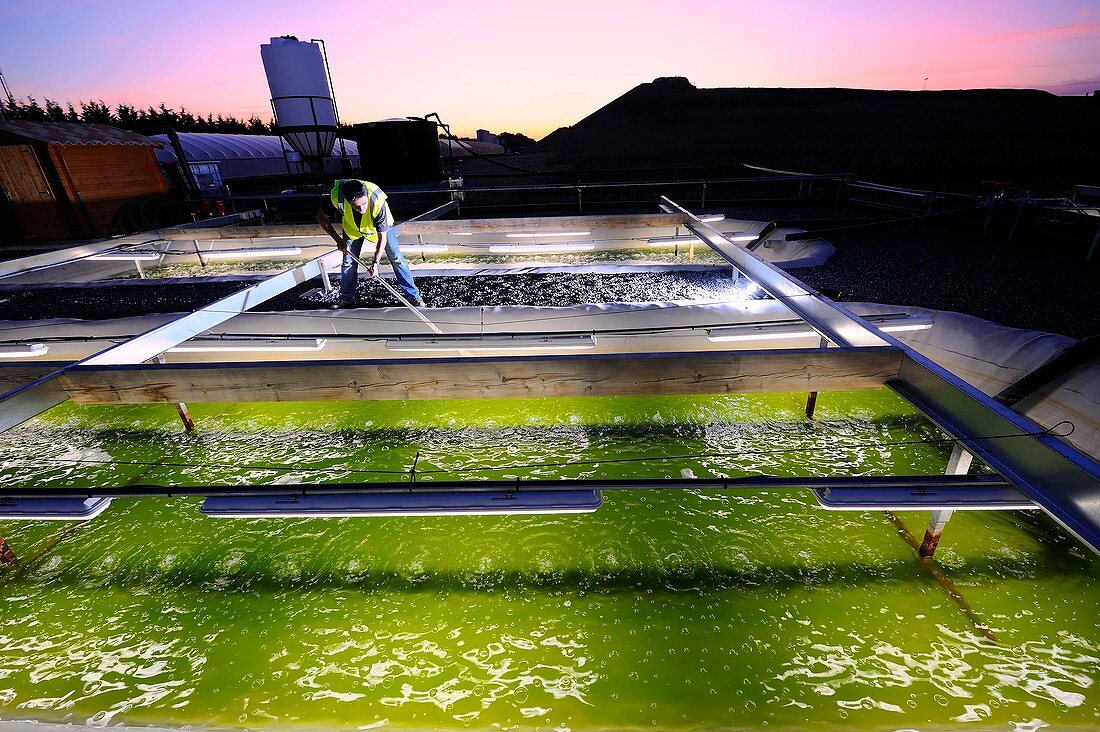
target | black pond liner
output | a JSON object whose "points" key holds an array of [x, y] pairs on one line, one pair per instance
{"points": [[99, 301]]}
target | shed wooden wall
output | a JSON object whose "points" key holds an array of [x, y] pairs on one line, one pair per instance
{"points": [[106, 177], [32, 211]]}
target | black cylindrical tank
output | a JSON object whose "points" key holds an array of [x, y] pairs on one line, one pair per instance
{"points": [[399, 151]]}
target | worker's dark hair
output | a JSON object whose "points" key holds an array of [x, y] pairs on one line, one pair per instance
{"points": [[353, 189]]}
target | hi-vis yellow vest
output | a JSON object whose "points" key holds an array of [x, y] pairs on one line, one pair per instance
{"points": [[365, 229]]}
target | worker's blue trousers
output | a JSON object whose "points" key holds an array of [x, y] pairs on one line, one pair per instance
{"points": [[349, 270]]}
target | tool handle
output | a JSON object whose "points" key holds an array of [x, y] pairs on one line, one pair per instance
{"points": [[401, 298]]}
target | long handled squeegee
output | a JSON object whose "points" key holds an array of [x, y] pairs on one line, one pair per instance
{"points": [[401, 298]]}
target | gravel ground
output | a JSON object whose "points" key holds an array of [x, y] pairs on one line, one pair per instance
{"points": [[1035, 284], [129, 298]]}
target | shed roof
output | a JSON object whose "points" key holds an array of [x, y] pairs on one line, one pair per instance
{"points": [[69, 133]]}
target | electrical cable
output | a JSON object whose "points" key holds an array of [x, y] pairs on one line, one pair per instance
{"points": [[243, 466]]}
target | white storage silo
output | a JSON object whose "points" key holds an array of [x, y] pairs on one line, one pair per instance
{"points": [[300, 95]]}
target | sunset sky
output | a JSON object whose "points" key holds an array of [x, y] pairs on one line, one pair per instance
{"points": [[532, 67]]}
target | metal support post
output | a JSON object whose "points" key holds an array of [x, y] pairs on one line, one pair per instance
{"points": [[703, 198], [811, 398], [185, 416], [958, 464], [202, 260], [811, 404], [932, 534], [580, 199], [7, 556], [181, 408]]}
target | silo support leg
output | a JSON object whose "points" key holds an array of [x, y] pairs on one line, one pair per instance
{"points": [[932, 534], [7, 556]]}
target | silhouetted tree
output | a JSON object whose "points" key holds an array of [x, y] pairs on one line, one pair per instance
{"points": [[54, 111], [512, 141], [128, 117]]}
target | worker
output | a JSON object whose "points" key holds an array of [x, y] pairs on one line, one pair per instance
{"points": [[365, 216]]}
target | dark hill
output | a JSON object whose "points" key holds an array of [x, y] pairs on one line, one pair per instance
{"points": [[949, 138]]}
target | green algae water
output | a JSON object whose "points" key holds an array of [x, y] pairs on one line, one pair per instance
{"points": [[663, 610]]}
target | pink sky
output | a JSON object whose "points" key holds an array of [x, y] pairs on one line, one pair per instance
{"points": [[532, 67]]}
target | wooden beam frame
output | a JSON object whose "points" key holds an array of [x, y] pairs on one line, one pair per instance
{"points": [[721, 372]]}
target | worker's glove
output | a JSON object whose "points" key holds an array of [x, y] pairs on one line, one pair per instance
{"points": [[342, 246], [372, 270]]}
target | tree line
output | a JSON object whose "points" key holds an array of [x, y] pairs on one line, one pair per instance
{"points": [[136, 119], [129, 117]]}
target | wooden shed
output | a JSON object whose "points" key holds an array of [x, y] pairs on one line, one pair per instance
{"points": [[68, 181]]}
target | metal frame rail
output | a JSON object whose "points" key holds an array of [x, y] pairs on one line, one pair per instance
{"points": [[30, 400], [1062, 480]]}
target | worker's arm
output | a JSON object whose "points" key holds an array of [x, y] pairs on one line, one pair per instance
{"points": [[383, 220], [326, 223], [378, 249]]}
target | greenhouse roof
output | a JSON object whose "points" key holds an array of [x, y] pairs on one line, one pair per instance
{"points": [[200, 146]]}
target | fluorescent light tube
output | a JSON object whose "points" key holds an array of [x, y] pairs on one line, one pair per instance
{"points": [[901, 327], [54, 509], [493, 343], [251, 345], [801, 330], [673, 241], [461, 233], [424, 248], [23, 350], [577, 246], [251, 253], [711, 218], [760, 332], [442, 503], [539, 234], [127, 256]]}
